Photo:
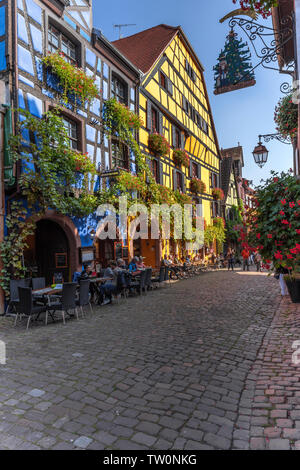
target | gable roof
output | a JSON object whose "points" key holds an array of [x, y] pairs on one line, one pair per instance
{"points": [[143, 48]]}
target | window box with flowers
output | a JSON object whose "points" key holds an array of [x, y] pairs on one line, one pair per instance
{"points": [[197, 186], [76, 85], [218, 194], [286, 117], [181, 158], [119, 119], [158, 144]]}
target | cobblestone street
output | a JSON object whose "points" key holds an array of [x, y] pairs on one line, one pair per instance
{"points": [[205, 363]]}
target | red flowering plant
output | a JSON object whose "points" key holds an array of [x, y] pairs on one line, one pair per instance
{"points": [[286, 117], [128, 182], [75, 82], [82, 162], [181, 158], [262, 7], [158, 144], [197, 186], [219, 222], [218, 194], [275, 221], [118, 118]]}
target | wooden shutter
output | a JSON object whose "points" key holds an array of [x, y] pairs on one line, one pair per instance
{"points": [[174, 135], [191, 168], [160, 123], [199, 170], [182, 139], [161, 173], [169, 86], [148, 162], [183, 183], [149, 117], [174, 180]]}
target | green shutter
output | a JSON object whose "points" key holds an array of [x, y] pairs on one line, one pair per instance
{"points": [[9, 178]]}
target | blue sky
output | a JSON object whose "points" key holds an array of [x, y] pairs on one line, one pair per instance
{"points": [[239, 116]]}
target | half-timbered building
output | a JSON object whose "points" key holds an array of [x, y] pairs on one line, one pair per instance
{"points": [[173, 102], [29, 29]]}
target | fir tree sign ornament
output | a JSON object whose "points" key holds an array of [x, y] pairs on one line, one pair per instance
{"points": [[234, 69]]}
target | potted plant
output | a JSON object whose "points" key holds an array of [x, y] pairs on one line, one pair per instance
{"points": [[197, 186], [158, 144], [286, 117], [181, 158], [218, 194]]}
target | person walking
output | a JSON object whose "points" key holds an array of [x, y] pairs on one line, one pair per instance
{"points": [[257, 261], [279, 274], [245, 255], [230, 259]]}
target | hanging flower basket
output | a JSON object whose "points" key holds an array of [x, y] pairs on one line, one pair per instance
{"points": [[119, 117], [286, 117], [158, 144], [76, 84], [262, 7], [219, 222], [197, 186], [181, 158], [218, 194]]}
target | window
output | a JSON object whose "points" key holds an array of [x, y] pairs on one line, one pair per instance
{"points": [[163, 80], [154, 120], [214, 180], [190, 71], [194, 170], [214, 208], [119, 155], [177, 139], [58, 42], [119, 90], [72, 132], [179, 181], [154, 169]]}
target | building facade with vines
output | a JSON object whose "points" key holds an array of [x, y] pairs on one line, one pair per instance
{"points": [[174, 104], [31, 30]]}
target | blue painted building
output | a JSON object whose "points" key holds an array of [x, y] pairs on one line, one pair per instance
{"points": [[28, 29]]}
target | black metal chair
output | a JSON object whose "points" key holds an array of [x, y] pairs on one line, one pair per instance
{"points": [[140, 284], [84, 295], [14, 284], [38, 283], [68, 301], [148, 279], [121, 286], [25, 305], [167, 275], [158, 280]]}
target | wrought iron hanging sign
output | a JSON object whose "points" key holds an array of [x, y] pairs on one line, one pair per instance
{"points": [[234, 69]]}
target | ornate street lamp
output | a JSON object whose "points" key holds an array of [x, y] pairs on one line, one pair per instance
{"points": [[260, 154]]}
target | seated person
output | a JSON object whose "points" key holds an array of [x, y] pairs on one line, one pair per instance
{"points": [[165, 261], [86, 272], [133, 269], [140, 263]]}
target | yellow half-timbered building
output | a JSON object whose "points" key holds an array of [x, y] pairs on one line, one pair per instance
{"points": [[173, 102]]}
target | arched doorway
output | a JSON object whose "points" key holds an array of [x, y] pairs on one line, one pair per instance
{"points": [[52, 250]]}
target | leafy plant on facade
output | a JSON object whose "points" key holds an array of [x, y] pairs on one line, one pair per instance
{"points": [[181, 158], [76, 84], [263, 7], [234, 223], [197, 186], [286, 117], [158, 144], [218, 194], [12, 248], [215, 233], [274, 222]]}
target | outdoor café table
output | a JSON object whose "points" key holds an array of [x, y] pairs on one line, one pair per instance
{"points": [[47, 292]]}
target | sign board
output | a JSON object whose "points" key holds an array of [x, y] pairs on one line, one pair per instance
{"points": [[110, 173], [87, 254]]}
